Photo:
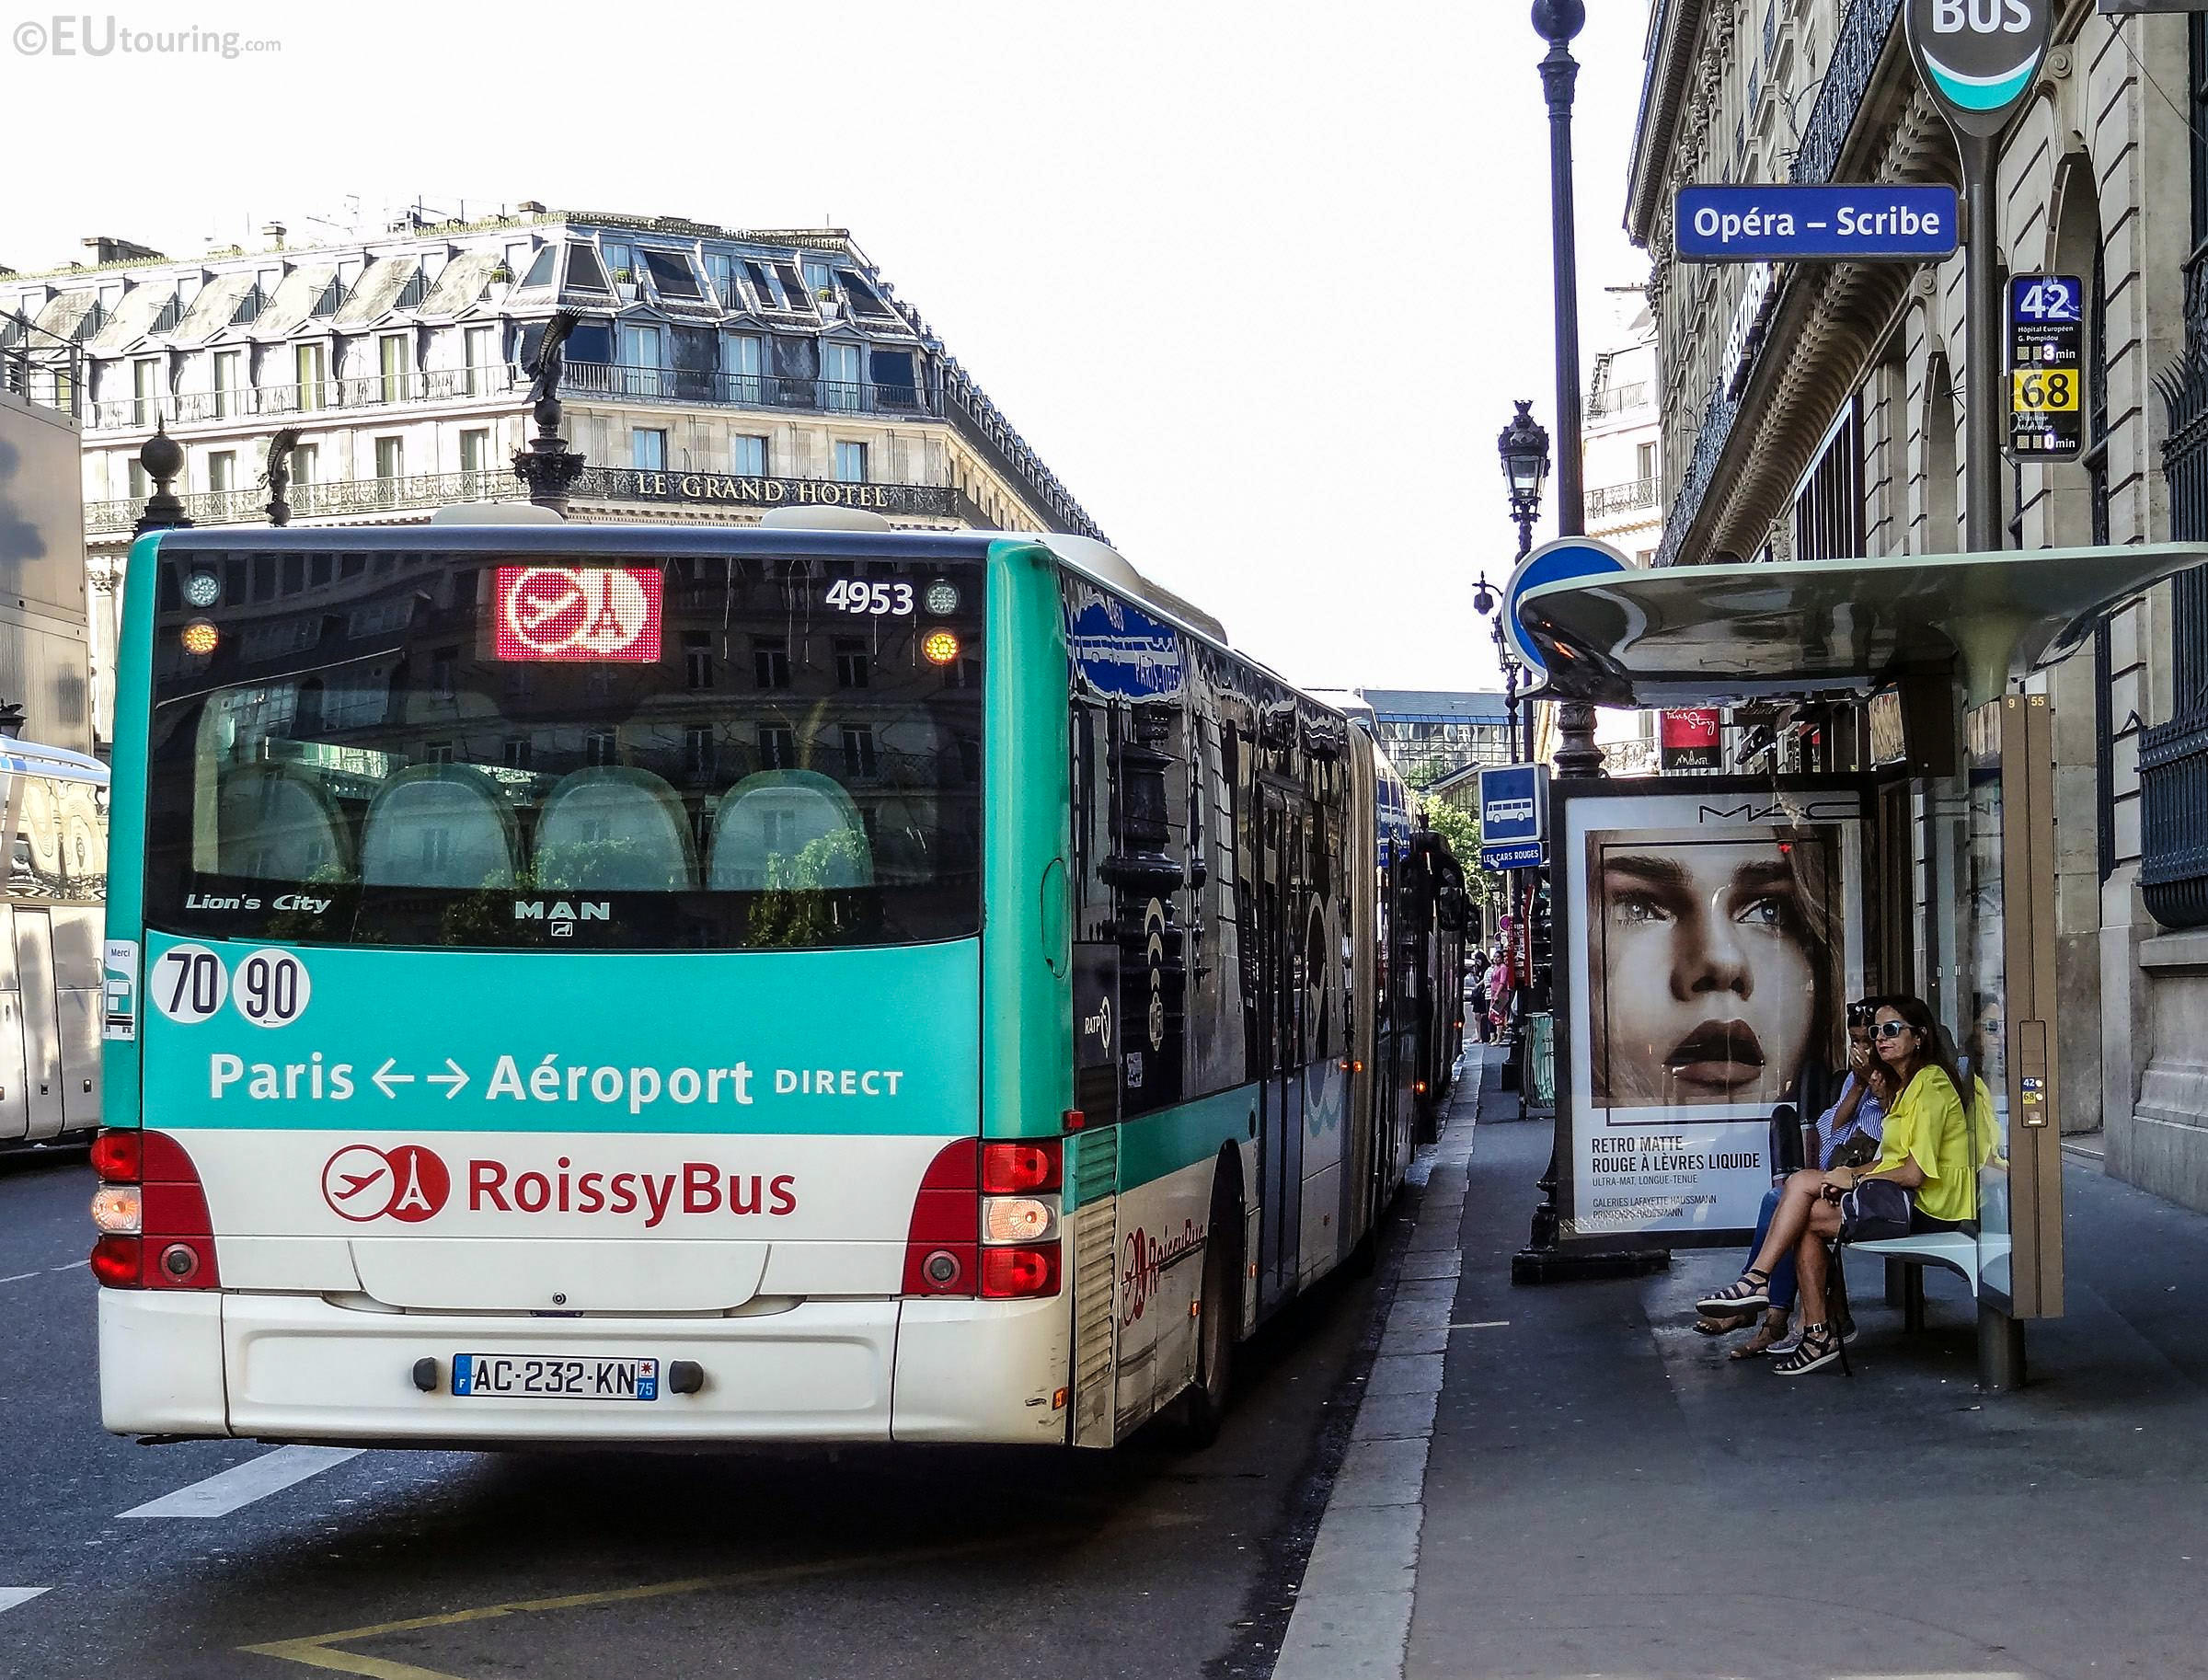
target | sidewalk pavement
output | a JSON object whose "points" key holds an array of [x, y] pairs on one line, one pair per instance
{"points": [[1594, 1490]]}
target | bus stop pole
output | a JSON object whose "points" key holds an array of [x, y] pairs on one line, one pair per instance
{"points": [[1982, 348]]}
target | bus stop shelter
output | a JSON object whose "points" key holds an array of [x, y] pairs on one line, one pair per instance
{"points": [[1954, 760]]}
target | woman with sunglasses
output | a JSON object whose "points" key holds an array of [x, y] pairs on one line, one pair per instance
{"points": [[1925, 1153], [1845, 1134]]}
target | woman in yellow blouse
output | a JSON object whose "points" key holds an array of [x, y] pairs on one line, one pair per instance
{"points": [[1924, 1153]]}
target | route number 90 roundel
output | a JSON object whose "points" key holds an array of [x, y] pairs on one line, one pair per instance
{"points": [[577, 613]]}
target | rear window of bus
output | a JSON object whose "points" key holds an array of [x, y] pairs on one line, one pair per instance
{"points": [[420, 748]]}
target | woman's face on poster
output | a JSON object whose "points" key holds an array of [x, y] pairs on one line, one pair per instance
{"points": [[1709, 981]]}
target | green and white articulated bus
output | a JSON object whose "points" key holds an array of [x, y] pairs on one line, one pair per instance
{"points": [[616, 983]]}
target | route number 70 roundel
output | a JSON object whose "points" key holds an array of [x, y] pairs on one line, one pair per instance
{"points": [[577, 613]]}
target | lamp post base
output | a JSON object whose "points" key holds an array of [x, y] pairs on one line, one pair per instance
{"points": [[1539, 1265]]}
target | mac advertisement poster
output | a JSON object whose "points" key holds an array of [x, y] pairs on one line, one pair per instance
{"points": [[1719, 941]]}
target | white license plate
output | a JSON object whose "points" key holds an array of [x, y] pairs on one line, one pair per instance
{"points": [[547, 1377]]}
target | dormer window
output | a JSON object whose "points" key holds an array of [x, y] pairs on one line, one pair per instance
{"points": [[622, 260], [540, 269], [671, 273], [584, 273]]}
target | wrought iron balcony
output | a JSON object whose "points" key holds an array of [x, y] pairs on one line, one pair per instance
{"points": [[1614, 498], [1618, 398], [200, 407], [742, 390], [339, 497]]}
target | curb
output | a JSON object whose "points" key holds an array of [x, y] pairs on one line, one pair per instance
{"points": [[1352, 1611]]}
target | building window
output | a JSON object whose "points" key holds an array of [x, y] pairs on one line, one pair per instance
{"points": [[817, 277], [699, 667], [1644, 461], [770, 662], [648, 449], [699, 755], [229, 368], [392, 360], [390, 457], [444, 664], [141, 486], [145, 390], [479, 346], [310, 367], [643, 362], [621, 260], [720, 270], [740, 366], [778, 747], [515, 752], [600, 747], [851, 463], [747, 456], [583, 271], [843, 389], [306, 463], [858, 751], [222, 470], [474, 449], [672, 276], [852, 664], [436, 752]]}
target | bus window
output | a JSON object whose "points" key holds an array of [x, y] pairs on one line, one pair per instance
{"points": [[573, 749]]}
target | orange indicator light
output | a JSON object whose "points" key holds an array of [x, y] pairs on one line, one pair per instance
{"points": [[939, 646]]}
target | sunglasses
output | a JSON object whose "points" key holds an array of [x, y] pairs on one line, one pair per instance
{"points": [[1892, 1029]]}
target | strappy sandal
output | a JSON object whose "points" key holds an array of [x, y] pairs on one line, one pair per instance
{"points": [[1820, 1347], [1768, 1335], [1750, 1295]]}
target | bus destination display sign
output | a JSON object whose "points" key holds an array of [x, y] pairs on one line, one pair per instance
{"points": [[2046, 367], [577, 613]]}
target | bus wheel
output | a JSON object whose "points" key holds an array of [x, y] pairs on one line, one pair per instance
{"points": [[1196, 1415]]}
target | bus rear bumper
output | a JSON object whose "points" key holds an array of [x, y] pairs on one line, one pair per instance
{"points": [[299, 1368]]}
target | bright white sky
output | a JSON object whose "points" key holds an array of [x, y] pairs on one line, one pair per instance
{"points": [[1258, 281]]}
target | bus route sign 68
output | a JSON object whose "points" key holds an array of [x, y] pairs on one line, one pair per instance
{"points": [[2046, 367]]}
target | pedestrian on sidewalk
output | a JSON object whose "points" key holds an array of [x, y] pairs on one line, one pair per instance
{"points": [[1845, 1134], [1479, 972], [1925, 1181]]}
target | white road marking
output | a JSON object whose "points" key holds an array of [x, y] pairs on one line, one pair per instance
{"points": [[19, 1277], [240, 1485], [73, 1266], [12, 1597], [1484, 1324]]}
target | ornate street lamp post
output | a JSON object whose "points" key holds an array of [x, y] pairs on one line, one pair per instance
{"points": [[1556, 21]]}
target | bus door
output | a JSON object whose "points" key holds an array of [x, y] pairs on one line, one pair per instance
{"points": [[15, 1111], [41, 1023], [1281, 1167]]}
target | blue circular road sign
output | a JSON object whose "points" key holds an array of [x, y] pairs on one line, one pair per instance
{"points": [[1567, 557]]}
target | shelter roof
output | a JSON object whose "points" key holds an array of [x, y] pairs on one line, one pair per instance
{"points": [[1695, 635]]}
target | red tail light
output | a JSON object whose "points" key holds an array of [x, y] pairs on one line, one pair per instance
{"points": [[1019, 1273], [944, 1250], [943, 1246], [175, 1248], [1021, 1169]]}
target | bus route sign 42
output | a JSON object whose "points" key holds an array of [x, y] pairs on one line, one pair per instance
{"points": [[2046, 367]]}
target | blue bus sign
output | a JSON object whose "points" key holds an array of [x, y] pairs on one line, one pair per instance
{"points": [[1875, 221], [1513, 816], [1557, 563]]}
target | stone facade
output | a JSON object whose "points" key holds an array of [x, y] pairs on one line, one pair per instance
{"points": [[1815, 410], [717, 372]]}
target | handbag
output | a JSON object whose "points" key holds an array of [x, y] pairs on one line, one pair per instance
{"points": [[1876, 1210]]}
